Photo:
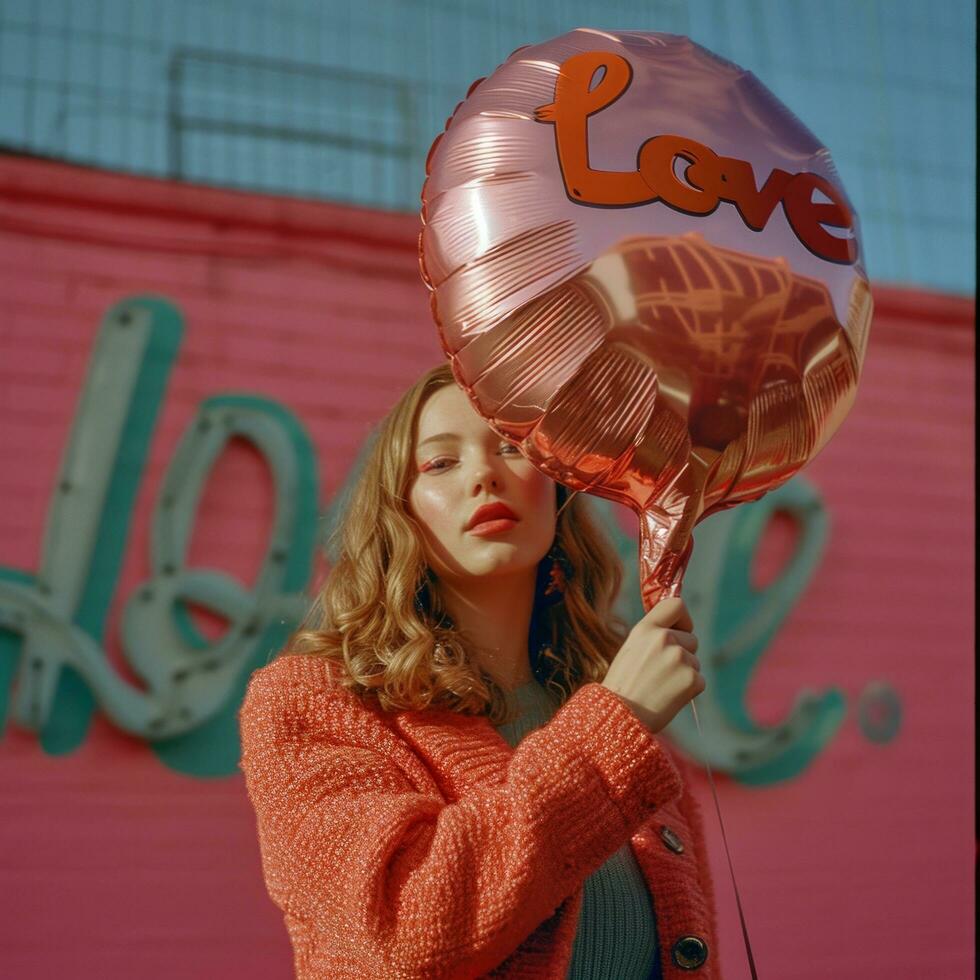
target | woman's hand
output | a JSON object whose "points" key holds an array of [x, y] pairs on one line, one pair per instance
{"points": [[655, 670]]}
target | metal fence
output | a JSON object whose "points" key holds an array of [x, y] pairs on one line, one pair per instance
{"points": [[341, 100]]}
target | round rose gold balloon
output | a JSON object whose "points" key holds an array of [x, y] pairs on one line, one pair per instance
{"points": [[646, 273]]}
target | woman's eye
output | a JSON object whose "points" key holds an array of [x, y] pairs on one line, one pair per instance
{"points": [[442, 462]]}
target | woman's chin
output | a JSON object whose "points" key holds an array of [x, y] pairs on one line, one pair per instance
{"points": [[504, 568]]}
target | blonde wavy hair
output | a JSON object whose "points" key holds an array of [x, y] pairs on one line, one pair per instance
{"points": [[378, 616]]}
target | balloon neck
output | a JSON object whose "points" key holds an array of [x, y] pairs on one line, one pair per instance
{"points": [[665, 550]]}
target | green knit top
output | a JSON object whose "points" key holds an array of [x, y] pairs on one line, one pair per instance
{"points": [[617, 928]]}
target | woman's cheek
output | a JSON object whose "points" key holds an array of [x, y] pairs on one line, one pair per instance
{"points": [[432, 507], [541, 493]]}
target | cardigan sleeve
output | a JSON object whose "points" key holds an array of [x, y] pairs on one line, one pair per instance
{"points": [[407, 884]]}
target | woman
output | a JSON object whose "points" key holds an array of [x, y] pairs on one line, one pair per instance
{"points": [[454, 762]]}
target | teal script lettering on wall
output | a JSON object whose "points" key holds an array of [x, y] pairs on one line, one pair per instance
{"points": [[52, 623], [51, 652]]}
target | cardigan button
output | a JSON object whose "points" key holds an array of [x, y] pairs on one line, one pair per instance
{"points": [[689, 952], [671, 840]]}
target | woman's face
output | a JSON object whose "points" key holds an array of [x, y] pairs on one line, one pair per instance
{"points": [[462, 465]]}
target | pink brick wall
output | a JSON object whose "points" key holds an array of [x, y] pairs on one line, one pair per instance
{"points": [[115, 865]]}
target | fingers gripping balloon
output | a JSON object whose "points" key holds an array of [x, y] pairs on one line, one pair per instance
{"points": [[646, 273]]}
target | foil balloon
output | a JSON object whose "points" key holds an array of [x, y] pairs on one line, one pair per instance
{"points": [[645, 273]]}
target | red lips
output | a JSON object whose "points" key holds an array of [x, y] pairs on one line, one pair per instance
{"points": [[491, 512]]}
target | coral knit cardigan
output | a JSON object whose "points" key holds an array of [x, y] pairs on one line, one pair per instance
{"points": [[420, 844]]}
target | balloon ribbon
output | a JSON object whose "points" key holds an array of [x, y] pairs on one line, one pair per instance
{"points": [[738, 900]]}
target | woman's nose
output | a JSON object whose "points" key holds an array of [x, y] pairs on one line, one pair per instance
{"points": [[485, 475]]}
